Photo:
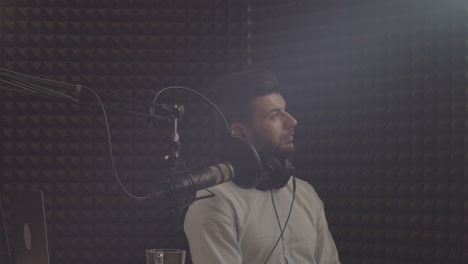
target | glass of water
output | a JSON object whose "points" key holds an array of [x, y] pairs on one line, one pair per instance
{"points": [[165, 256]]}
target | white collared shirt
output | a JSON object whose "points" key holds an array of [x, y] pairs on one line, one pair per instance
{"points": [[240, 226]]}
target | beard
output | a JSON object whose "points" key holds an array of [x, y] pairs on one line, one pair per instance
{"points": [[284, 151], [277, 148]]}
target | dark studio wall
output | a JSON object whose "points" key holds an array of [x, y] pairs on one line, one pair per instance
{"points": [[129, 49], [379, 90]]}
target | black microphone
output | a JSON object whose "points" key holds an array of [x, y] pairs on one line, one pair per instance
{"points": [[241, 165], [183, 185]]}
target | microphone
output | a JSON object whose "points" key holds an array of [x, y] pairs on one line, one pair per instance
{"points": [[184, 184], [241, 165]]}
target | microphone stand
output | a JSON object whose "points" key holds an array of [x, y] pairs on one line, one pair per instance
{"points": [[26, 84], [30, 85]]}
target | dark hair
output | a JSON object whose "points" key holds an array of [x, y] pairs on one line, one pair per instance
{"points": [[235, 92]]}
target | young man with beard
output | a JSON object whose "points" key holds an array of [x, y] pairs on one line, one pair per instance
{"points": [[283, 224]]}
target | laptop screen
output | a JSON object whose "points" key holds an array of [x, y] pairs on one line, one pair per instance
{"points": [[29, 234]]}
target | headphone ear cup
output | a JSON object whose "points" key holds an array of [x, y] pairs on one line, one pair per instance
{"points": [[245, 160], [276, 173]]}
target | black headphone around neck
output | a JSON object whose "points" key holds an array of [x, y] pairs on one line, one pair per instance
{"points": [[276, 172], [264, 171]]}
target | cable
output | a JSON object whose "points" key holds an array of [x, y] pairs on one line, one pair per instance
{"points": [[287, 219], [114, 170], [29, 84], [193, 198], [110, 148], [193, 91], [23, 81], [152, 113], [279, 223]]}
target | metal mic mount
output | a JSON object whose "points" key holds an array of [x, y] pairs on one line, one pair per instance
{"points": [[158, 111], [175, 142]]}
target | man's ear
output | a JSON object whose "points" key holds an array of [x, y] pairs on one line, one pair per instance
{"points": [[238, 129]]}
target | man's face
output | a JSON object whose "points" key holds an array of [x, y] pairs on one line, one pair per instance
{"points": [[271, 128]]}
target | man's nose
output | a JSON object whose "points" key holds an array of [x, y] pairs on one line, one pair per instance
{"points": [[291, 122]]}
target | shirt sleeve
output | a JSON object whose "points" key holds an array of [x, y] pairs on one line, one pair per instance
{"points": [[211, 232], [325, 248]]}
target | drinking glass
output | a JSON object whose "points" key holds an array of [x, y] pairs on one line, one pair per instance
{"points": [[165, 256]]}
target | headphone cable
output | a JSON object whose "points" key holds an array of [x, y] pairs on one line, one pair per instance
{"points": [[285, 223]]}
